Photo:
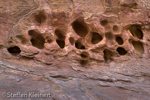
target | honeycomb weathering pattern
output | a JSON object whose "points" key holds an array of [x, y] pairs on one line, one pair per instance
{"points": [[97, 34], [79, 39]]}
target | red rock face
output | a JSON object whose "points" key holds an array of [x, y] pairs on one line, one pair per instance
{"points": [[75, 50]]}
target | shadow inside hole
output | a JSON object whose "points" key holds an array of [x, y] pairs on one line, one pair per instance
{"points": [[79, 45], [139, 49], [40, 17], [14, 50], [121, 51], [107, 56], [134, 7], [80, 28], [96, 38], [136, 31], [104, 22], [84, 55], [59, 35], [84, 62], [119, 40], [71, 40], [115, 28], [49, 41], [61, 43], [37, 40]]}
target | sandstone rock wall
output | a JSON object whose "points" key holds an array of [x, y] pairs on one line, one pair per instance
{"points": [[93, 31]]}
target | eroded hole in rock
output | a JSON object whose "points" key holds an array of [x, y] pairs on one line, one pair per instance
{"points": [[84, 55], [130, 41], [134, 7], [59, 35], [61, 43], [14, 50], [104, 22], [49, 40], [40, 17], [121, 51], [79, 45], [96, 38], [119, 40], [71, 40], [115, 28], [83, 62], [139, 50], [37, 40], [80, 28], [136, 31], [107, 56]]}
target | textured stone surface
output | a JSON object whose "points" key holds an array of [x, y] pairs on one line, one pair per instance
{"points": [[75, 49]]}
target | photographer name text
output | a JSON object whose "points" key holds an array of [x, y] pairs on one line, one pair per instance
{"points": [[25, 95]]}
